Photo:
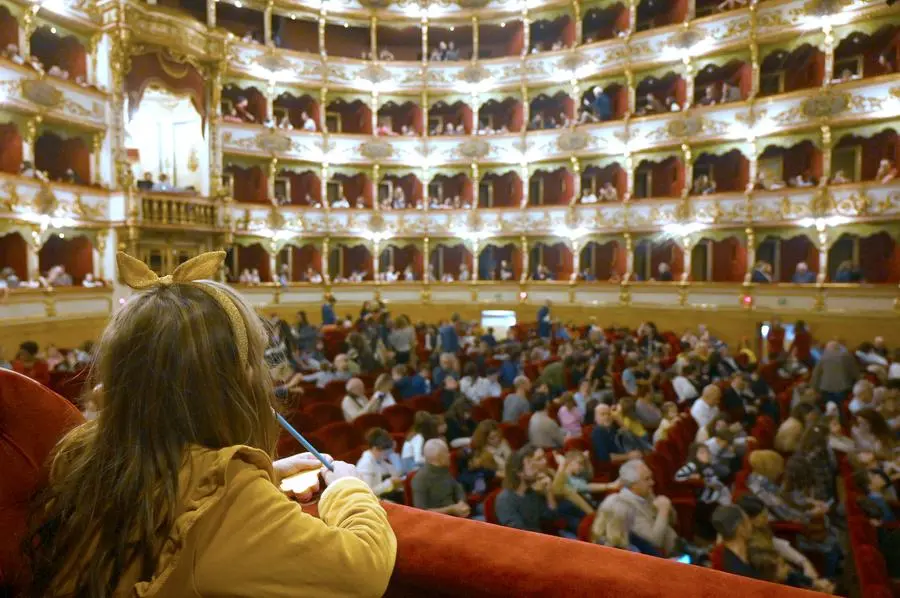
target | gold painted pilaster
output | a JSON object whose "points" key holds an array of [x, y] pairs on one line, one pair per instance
{"points": [[687, 159], [270, 181], [826, 155], [425, 110], [688, 82], [526, 32], [97, 156], [632, 93], [475, 38], [476, 184], [323, 187], [629, 173], [217, 71], [326, 260], [425, 46], [576, 180], [322, 50], [526, 258], [27, 25], [267, 23], [629, 256], [373, 37], [828, 51], [30, 136], [754, 52], [210, 13], [376, 177], [751, 252], [579, 24]]}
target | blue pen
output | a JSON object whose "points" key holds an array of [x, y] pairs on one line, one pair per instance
{"points": [[303, 441]]}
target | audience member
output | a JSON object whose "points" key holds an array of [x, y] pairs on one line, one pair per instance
{"points": [[377, 470], [434, 488]]}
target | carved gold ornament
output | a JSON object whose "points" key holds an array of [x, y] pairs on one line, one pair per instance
{"points": [[685, 39], [374, 74], [45, 201], [474, 74], [272, 142], [275, 220], [573, 141], [825, 104], [273, 62], [474, 149], [572, 62], [376, 149], [41, 93]]}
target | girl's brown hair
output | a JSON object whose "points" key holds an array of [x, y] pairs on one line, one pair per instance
{"points": [[480, 436], [171, 379]]}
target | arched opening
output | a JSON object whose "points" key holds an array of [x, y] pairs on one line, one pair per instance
{"points": [[603, 102], [347, 39], [454, 119], [250, 184], [66, 160], [254, 260], [74, 253], [500, 190], [604, 23], [658, 95], [663, 178], [292, 32], [500, 262], [505, 116], [716, 84], [10, 148], [782, 71], [168, 133], [14, 254], [659, 13], [306, 262], [603, 184], [859, 55], [728, 172], [550, 261], [350, 263], [245, 23], [797, 166], [450, 192], [397, 192], [61, 55], [298, 188], [350, 191], [450, 262], [551, 36], [658, 259], [551, 188], [783, 255], [603, 261], [400, 263], [399, 42], [246, 105], [551, 112], [400, 119], [348, 117], [723, 260], [855, 158], [9, 29], [881, 264], [296, 112], [450, 42], [498, 40]]}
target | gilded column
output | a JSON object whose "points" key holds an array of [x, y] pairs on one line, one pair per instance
{"points": [[270, 101], [526, 258], [376, 257], [526, 33], [576, 259], [31, 133], [267, 23], [826, 155], [270, 181], [751, 252], [753, 166], [100, 256], [93, 42], [325, 260], [33, 264], [373, 37], [27, 25], [425, 46], [211, 13], [576, 180], [323, 104], [97, 157], [579, 25], [374, 111], [687, 158], [476, 250], [476, 184], [273, 264], [322, 50], [632, 17], [629, 173], [475, 38], [323, 187], [376, 177], [629, 256], [523, 174], [688, 82], [120, 64], [691, 12], [217, 71], [754, 52], [687, 247], [828, 50], [425, 111], [632, 93]]}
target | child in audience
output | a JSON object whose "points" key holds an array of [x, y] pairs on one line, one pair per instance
{"points": [[489, 449], [570, 415], [700, 467], [425, 427], [669, 417]]}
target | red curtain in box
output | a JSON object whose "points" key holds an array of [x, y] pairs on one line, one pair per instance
{"points": [[492, 255], [876, 148], [14, 254], [9, 28], [156, 66], [252, 257], [308, 256], [668, 178], [605, 259], [796, 250], [357, 258], [356, 186], [303, 184], [803, 158], [453, 257], [55, 155], [557, 258], [401, 257], [250, 184], [669, 252], [76, 254], [729, 260], [879, 258], [10, 148], [296, 106], [257, 104]]}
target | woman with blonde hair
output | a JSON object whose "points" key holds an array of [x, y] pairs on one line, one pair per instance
{"points": [[172, 490], [610, 528], [767, 467], [489, 449]]}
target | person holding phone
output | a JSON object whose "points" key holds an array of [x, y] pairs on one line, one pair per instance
{"points": [[172, 490]]}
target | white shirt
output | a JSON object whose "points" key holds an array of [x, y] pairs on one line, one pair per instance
{"points": [[464, 274], [341, 203], [703, 413], [309, 125], [894, 371], [684, 389], [376, 473], [413, 449], [315, 278], [856, 405], [391, 276], [590, 198]]}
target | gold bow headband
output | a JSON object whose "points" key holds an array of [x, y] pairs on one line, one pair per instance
{"points": [[205, 266]]}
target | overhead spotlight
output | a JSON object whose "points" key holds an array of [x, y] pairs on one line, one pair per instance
{"points": [[346, 25], [293, 17], [53, 30], [62, 235], [452, 28], [503, 24], [238, 4]]}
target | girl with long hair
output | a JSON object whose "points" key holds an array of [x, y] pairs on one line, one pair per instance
{"points": [[171, 490]]}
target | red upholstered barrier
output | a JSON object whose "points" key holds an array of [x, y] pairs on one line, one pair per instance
{"points": [[443, 556]]}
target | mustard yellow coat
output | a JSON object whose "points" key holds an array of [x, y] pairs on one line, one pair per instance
{"points": [[239, 536]]}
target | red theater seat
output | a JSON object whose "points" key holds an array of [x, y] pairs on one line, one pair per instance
{"points": [[399, 417], [339, 438], [322, 414], [32, 419], [367, 421]]}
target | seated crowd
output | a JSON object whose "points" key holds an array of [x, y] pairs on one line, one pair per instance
{"points": [[641, 440]]}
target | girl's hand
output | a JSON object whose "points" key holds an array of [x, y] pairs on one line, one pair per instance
{"points": [[295, 465]]}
